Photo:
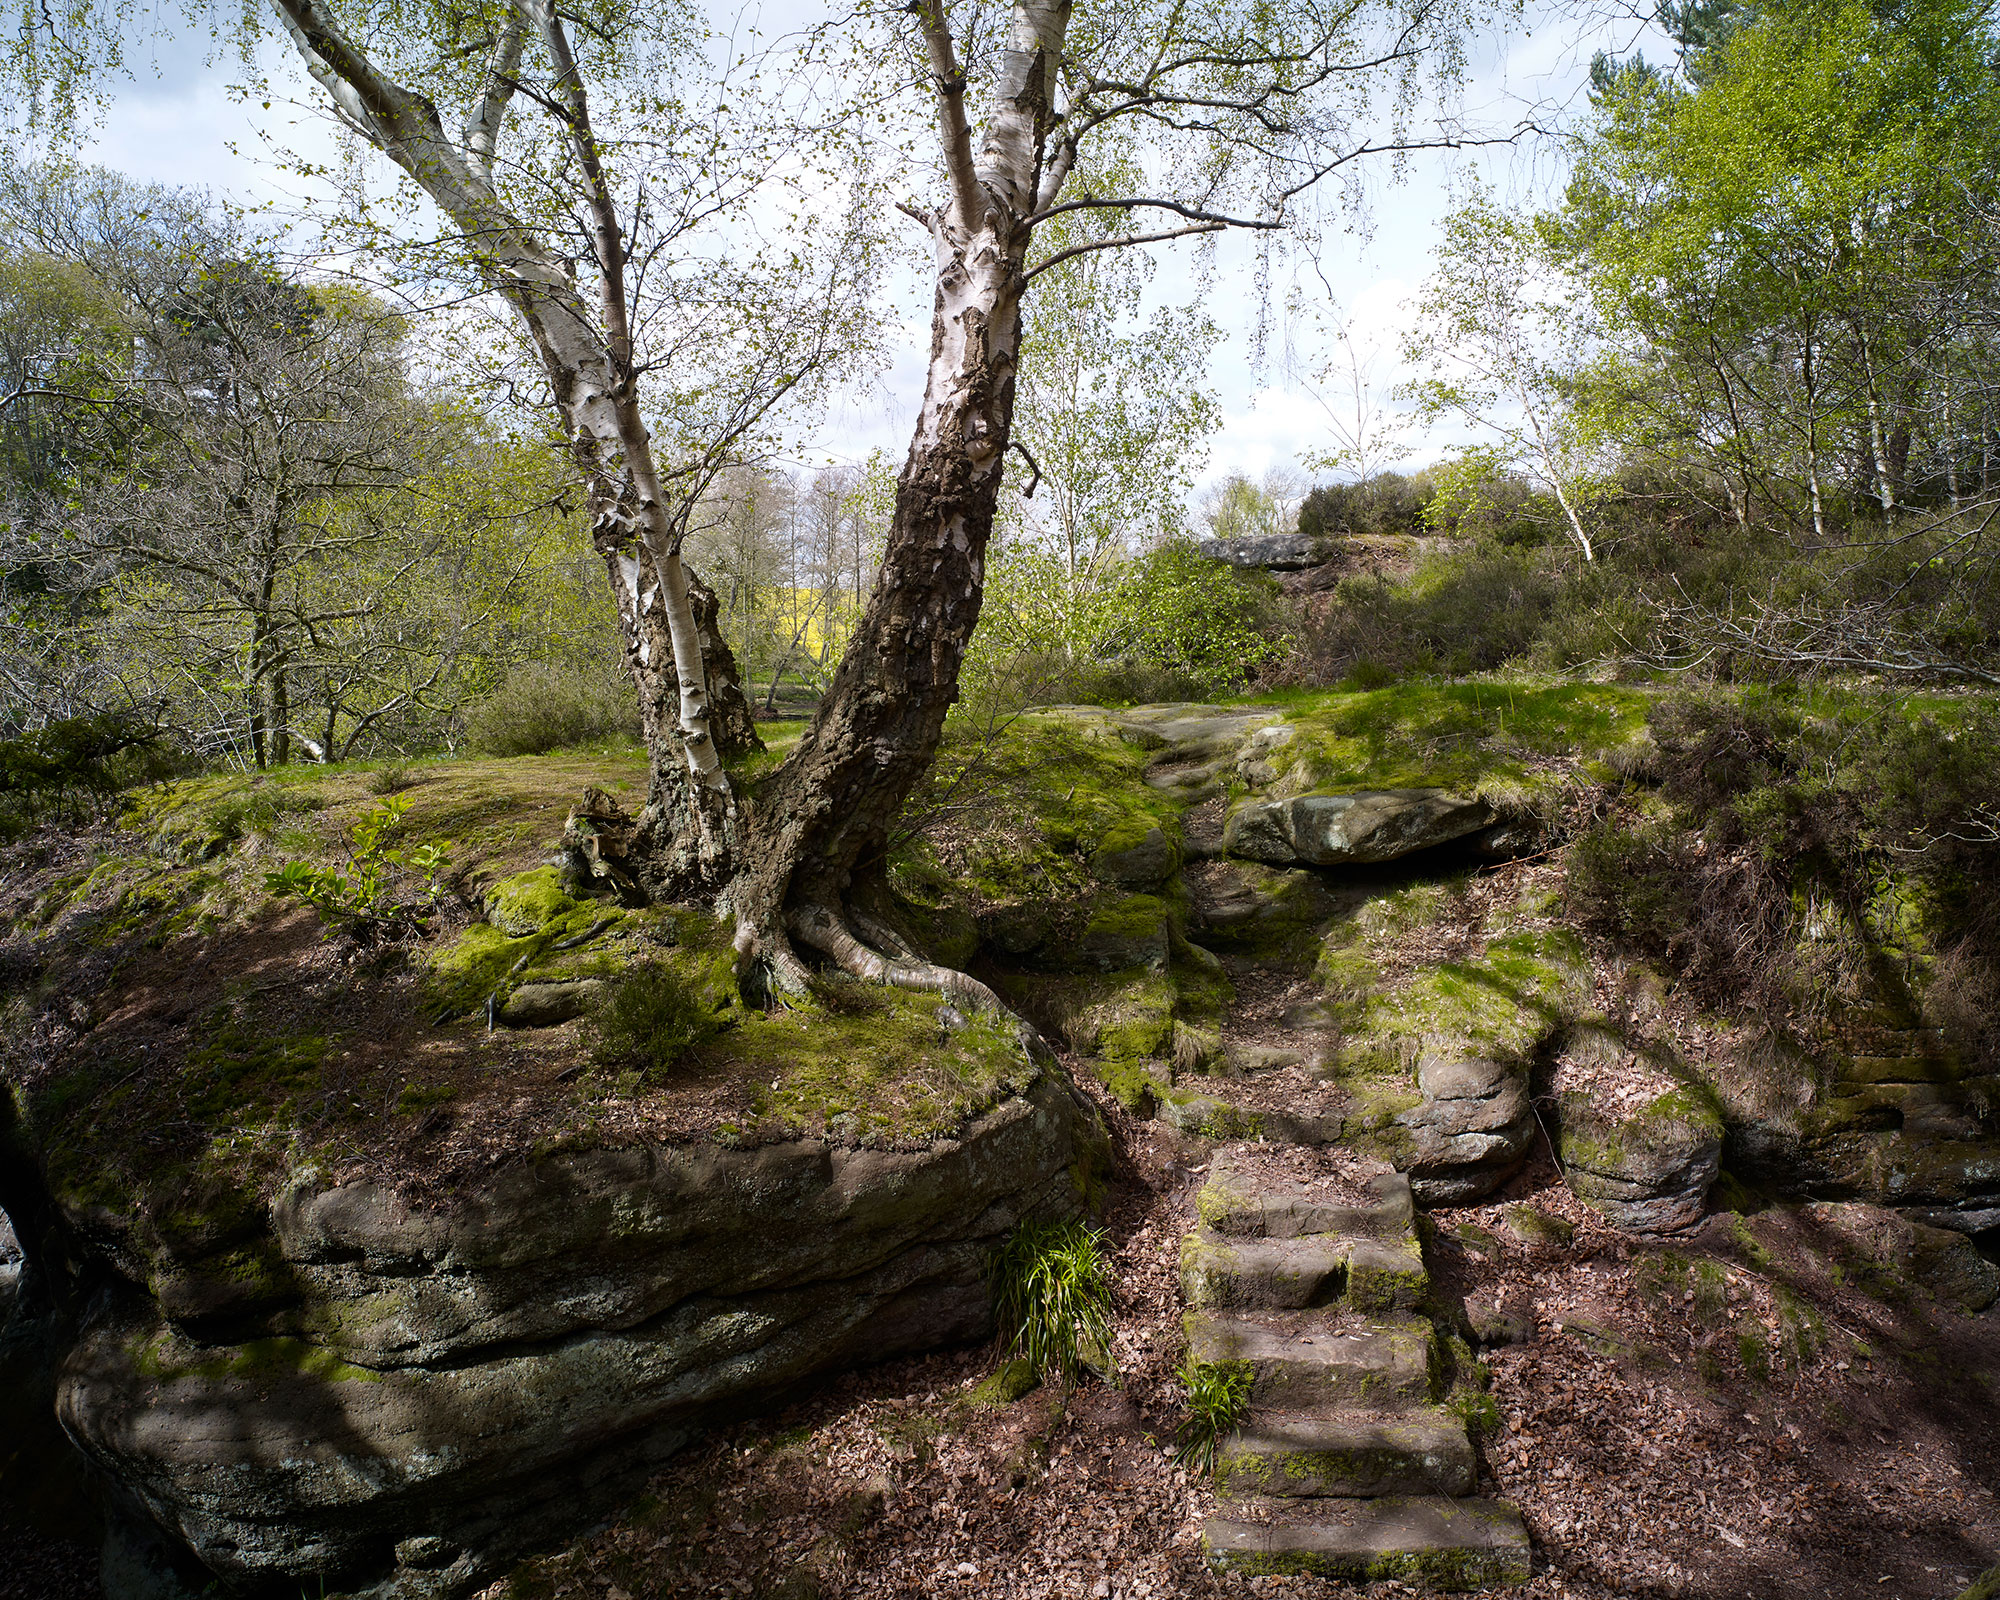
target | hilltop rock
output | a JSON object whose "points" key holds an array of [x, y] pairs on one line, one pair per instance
{"points": [[1329, 830], [1273, 552]]}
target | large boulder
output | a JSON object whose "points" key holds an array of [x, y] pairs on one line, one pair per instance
{"points": [[1331, 830], [388, 1400], [1273, 552], [1948, 1264], [1649, 1170]]}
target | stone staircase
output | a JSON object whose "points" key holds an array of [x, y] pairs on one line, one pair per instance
{"points": [[1344, 1464]]}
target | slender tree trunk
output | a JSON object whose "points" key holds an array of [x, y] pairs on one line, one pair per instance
{"points": [[281, 713], [826, 819]]}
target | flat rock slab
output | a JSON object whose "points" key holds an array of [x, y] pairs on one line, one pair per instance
{"points": [[1239, 1199], [1219, 1272], [1345, 1454], [1274, 552], [1334, 830], [1446, 1544], [1186, 730], [1313, 1361]]}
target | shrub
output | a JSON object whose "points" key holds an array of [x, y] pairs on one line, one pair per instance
{"points": [[1387, 503], [1218, 1393], [1185, 616], [1793, 829], [362, 897], [79, 759], [650, 1021], [1052, 1297], [1465, 612], [542, 706], [392, 777]]}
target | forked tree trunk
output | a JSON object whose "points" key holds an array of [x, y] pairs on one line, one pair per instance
{"points": [[799, 857]]}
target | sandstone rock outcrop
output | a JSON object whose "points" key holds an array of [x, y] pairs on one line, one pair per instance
{"points": [[389, 1399], [1369, 825]]}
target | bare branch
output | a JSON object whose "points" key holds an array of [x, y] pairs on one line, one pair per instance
{"points": [[948, 82], [1120, 241]]}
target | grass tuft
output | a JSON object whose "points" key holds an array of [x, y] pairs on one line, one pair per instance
{"points": [[1052, 1297], [1218, 1393]]}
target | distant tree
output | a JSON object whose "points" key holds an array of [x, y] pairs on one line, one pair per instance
{"points": [[1500, 347], [1240, 508]]}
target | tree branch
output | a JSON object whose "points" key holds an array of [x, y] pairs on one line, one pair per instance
{"points": [[1140, 202], [1123, 239], [948, 80], [482, 127]]}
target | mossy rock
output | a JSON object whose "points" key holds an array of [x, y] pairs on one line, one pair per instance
{"points": [[1134, 930], [1136, 856], [1130, 1019], [1009, 1383], [527, 902], [1649, 1172], [1138, 1086], [1537, 1229]]}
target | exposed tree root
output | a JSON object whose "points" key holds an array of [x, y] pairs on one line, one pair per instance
{"points": [[903, 969]]}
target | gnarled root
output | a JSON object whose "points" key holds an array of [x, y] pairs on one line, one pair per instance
{"points": [[901, 969], [770, 955]]}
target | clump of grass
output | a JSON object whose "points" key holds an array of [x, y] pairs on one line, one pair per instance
{"points": [[650, 1021], [392, 777], [1052, 1297], [1218, 1393]]}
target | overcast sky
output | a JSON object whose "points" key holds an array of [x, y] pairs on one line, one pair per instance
{"points": [[176, 122]]}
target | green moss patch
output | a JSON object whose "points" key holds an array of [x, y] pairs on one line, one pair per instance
{"points": [[1493, 738], [901, 1076]]}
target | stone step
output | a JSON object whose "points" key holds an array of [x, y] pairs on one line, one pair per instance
{"points": [[1345, 1454], [1441, 1543], [1219, 1272], [1322, 1360], [1236, 1201], [1900, 1069]]}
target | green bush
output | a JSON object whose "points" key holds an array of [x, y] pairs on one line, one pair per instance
{"points": [[651, 1020], [1387, 503], [541, 706], [362, 896], [1052, 1297], [1464, 612], [1186, 617], [79, 760]]}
